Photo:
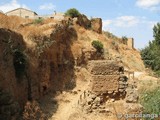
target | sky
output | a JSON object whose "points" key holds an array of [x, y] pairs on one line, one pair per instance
{"points": [[130, 18]]}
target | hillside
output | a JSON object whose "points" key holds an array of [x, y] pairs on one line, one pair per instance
{"points": [[48, 61]]}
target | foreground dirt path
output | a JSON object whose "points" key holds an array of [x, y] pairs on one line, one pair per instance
{"points": [[68, 108], [67, 105], [68, 101]]}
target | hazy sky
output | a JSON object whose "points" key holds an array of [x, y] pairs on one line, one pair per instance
{"points": [[131, 18]]}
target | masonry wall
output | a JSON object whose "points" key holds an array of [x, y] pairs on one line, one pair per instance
{"points": [[105, 76], [130, 43], [105, 83]]}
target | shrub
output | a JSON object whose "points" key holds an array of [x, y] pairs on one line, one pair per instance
{"points": [[98, 46], [38, 21], [157, 73], [124, 40], [72, 12], [150, 54], [151, 101]]}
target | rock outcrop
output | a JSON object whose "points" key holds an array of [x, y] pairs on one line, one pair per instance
{"points": [[12, 66], [84, 21], [29, 73], [9, 109], [96, 25]]}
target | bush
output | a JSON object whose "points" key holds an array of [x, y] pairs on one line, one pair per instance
{"points": [[98, 46], [151, 101], [157, 73], [72, 12], [124, 40], [150, 54], [38, 21]]}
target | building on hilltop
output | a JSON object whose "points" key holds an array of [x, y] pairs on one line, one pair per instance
{"points": [[58, 16], [25, 13], [22, 12]]}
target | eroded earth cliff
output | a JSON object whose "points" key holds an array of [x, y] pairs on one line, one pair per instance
{"points": [[38, 59]]}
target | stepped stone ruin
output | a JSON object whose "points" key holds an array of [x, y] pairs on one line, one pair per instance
{"points": [[107, 77], [108, 83]]}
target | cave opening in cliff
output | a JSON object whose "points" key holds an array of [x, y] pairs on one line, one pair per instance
{"points": [[19, 62]]}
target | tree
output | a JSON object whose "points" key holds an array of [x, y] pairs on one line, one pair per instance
{"points": [[156, 33], [151, 53], [72, 12]]}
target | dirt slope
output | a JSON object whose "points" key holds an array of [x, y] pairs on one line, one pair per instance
{"points": [[57, 53]]}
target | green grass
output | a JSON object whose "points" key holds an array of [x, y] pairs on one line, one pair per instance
{"points": [[38, 21], [151, 102]]}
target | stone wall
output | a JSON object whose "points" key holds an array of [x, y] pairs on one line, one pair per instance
{"points": [[105, 83], [130, 43], [106, 77], [102, 67]]}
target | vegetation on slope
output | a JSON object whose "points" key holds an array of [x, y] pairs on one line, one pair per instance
{"points": [[98, 46], [151, 53], [124, 40], [72, 12], [151, 101]]}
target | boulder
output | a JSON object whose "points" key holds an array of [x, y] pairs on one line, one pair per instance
{"points": [[132, 96]]}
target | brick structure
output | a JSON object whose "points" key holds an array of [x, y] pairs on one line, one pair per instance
{"points": [[130, 43], [22, 12], [105, 76], [108, 83], [104, 83]]}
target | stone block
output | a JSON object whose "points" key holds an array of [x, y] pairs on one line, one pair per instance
{"points": [[104, 83], [103, 68]]}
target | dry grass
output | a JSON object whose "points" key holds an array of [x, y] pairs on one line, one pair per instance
{"points": [[32, 33], [12, 22], [19, 24], [49, 20]]}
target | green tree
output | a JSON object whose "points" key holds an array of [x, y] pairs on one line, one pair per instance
{"points": [[156, 33], [151, 53], [72, 12]]}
